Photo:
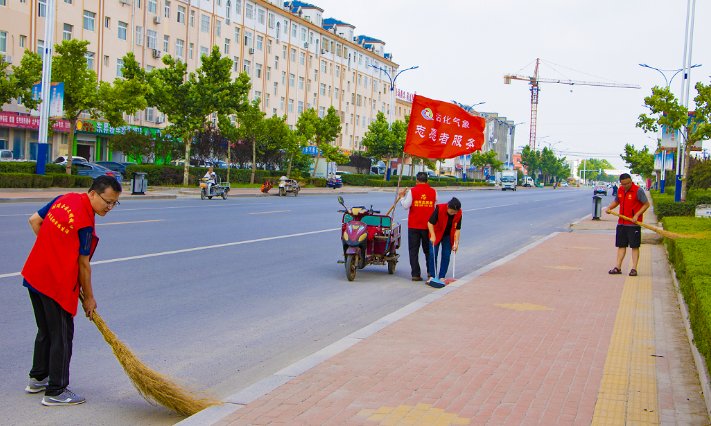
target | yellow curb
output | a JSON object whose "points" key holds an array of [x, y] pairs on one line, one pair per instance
{"points": [[628, 391]]}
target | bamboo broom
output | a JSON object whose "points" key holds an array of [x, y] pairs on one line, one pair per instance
{"points": [[153, 386], [660, 231]]}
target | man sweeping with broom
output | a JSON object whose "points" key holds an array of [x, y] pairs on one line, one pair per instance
{"points": [[633, 203], [56, 270]]}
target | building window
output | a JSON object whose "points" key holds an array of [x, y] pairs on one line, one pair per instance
{"points": [[246, 66], [107, 22], [321, 112], [89, 60], [323, 89], [166, 43], [139, 36], [67, 32], [281, 103], [192, 18], [291, 80], [40, 44], [23, 41], [203, 51], [122, 30], [218, 28], [119, 67], [292, 54], [261, 16], [166, 9], [260, 43], [271, 23], [258, 69], [191, 48], [3, 42], [204, 23], [301, 83], [179, 48], [151, 39], [276, 88], [302, 58], [235, 60], [248, 39], [152, 6], [291, 105], [269, 73], [181, 14], [250, 11], [42, 9], [300, 107], [89, 18], [227, 46]]}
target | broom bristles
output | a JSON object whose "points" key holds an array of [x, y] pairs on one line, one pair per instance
{"points": [[153, 386]]}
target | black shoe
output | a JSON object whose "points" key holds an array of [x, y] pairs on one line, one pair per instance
{"points": [[435, 283], [416, 278]]}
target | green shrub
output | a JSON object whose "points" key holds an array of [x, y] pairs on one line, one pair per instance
{"points": [[28, 167], [663, 208]]}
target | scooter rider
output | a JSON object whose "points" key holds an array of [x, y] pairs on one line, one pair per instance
{"points": [[210, 178]]}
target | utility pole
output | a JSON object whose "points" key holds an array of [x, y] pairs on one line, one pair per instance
{"points": [[46, 86]]}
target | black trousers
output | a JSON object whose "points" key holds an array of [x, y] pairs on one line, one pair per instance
{"points": [[53, 344], [417, 238]]}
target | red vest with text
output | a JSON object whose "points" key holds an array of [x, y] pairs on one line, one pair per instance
{"points": [[442, 219], [423, 204], [629, 204], [52, 268]]}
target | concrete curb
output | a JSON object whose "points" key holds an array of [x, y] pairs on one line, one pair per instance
{"points": [[238, 400]]}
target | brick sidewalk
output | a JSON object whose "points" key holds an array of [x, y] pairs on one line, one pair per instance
{"points": [[545, 337]]}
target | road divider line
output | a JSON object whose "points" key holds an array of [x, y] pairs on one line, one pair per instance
{"points": [[490, 207], [130, 222], [270, 212], [192, 249]]}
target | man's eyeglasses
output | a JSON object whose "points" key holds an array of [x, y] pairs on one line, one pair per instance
{"points": [[109, 204]]}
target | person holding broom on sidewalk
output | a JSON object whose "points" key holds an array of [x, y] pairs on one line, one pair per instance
{"points": [[56, 271], [419, 201], [633, 203], [444, 226]]}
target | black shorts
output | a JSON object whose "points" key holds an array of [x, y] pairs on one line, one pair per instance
{"points": [[628, 236]]}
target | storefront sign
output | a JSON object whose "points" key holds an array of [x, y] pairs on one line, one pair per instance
{"points": [[23, 121], [104, 128], [404, 95]]}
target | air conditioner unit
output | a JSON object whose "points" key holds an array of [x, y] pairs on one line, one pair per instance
{"points": [[156, 53], [323, 51], [125, 2], [160, 120], [156, 19], [306, 45], [251, 51]]}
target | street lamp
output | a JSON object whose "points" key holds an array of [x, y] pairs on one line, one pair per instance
{"points": [[668, 81], [469, 108], [392, 97]]}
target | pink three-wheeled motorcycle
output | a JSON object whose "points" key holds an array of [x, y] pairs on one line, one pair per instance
{"points": [[368, 238]]}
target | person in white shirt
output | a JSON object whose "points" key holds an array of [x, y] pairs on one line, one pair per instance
{"points": [[210, 178]]}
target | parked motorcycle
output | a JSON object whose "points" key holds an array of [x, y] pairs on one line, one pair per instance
{"points": [[369, 238]]}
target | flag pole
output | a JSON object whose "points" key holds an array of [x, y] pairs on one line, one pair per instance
{"points": [[399, 178]]}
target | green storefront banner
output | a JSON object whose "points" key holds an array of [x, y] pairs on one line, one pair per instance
{"points": [[105, 129]]}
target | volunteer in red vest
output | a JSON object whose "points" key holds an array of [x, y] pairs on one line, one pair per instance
{"points": [[444, 226], [56, 271], [420, 202], [633, 203]]}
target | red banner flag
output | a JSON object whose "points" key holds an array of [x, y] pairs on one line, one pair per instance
{"points": [[442, 130]]}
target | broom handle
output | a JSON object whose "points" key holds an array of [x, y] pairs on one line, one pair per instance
{"points": [[650, 227], [394, 204]]}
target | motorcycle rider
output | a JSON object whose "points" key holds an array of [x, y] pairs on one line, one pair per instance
{"points": [[210, 178]]}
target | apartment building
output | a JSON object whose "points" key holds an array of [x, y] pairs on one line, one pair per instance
{"points": [[296, 59]]}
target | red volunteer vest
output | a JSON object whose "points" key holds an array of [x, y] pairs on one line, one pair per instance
{"points": [[52, 268], [423, 204], [629, 204], [442, 219]]}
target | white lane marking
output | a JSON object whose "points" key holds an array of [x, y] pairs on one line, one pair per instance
{"points": [[490, 207], [192, 249], [273, 211], [130, 222]]}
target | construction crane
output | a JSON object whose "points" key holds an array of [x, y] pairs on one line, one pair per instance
{"points": [[534, 82]]}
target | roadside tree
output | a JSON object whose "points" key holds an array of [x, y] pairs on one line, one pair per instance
{"points": [[16, 81]]}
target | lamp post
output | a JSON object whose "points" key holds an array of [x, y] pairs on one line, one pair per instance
{"points": [[42, 146], [668, 82], [392, 98]]}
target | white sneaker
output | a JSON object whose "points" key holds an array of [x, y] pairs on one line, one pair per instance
{"points": [[35, 386], [65, 398]]}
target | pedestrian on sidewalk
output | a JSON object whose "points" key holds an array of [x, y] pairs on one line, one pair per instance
{"points": [[444, 226], [420, 202], [56, 271], [633, 203]]}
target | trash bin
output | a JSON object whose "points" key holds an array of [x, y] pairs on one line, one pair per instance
{"points": [[597, 207], [139, 183]]}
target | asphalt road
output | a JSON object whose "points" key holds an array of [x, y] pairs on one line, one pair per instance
{"points": [[219, 294]]}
